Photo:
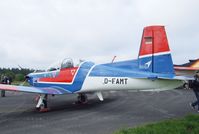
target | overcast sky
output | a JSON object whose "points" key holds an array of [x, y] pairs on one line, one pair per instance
{"points": [[35, 33]]}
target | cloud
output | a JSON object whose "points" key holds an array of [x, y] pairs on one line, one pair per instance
{"points": [[36, 33]]}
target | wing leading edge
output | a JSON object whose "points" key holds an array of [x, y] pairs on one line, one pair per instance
{"points": [[47, 90]]}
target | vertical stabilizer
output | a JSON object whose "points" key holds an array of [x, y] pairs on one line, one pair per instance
{"points": [[154, 55]]}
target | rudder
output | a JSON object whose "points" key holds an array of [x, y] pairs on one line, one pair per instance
{"points": [[154, 55]]}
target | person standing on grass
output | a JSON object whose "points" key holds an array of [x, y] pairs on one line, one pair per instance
{"points": [[194, 84]]}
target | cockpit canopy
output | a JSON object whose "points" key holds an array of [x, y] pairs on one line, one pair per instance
{"points": [[66, 63]]}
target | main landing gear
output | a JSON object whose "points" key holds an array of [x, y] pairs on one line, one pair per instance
{"points": [[82, 99], [42, 105]]}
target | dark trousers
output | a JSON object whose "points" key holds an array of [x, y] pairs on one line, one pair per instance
{"points": [[3, 94], [196, 92]]}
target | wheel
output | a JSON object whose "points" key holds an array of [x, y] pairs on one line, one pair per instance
{"points": [[186, 86], [82, 99]]}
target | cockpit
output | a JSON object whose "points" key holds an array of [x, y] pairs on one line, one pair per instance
{"points": [[66, 63]]}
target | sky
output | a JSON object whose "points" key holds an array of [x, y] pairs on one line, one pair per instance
{"points": [[36, 33]]}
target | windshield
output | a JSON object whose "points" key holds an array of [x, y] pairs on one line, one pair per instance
{"points": [[66, 63]]}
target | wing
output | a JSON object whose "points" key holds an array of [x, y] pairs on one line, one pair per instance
{"points": [[187, 71], [46, 90], [186, 68]]}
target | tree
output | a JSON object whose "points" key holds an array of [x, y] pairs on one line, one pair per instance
{"points": [[19, 77]]}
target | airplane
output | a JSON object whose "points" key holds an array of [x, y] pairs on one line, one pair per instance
{"points": [[152, 71], [190, 68]]}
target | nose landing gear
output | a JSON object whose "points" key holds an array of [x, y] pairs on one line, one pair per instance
{"points": [[42, 105]]}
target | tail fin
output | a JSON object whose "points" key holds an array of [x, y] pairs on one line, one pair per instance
{"points": [[154, 55]]}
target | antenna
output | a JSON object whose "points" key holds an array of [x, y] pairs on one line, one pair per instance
{"points": [[113, 59]]}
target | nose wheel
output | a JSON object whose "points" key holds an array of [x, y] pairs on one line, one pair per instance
{"points": [[82, 99], [42, 105]]}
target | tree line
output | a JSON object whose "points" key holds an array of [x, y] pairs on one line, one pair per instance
{"points": [[15, 74]]}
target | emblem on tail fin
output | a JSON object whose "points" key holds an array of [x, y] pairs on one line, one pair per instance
{"points": [[147, 65]]}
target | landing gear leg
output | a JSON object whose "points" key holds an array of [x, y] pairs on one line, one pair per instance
{"points": [[82, 99], [42, 105]]}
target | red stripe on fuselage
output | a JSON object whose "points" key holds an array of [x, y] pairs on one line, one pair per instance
{"points": [[65, 75]]}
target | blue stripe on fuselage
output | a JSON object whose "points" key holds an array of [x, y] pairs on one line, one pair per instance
{"points": [[126, 69], [120, 69]]}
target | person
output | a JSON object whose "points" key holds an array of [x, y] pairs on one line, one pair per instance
{"points": [[3, 93], [5, 80], [194, 84]]}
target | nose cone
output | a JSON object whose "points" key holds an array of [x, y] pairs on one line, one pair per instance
{"points": [[29, 78]]}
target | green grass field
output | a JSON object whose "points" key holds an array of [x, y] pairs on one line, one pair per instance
{"points": [[186, 125]]}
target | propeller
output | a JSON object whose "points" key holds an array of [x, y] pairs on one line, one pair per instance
{"points": [[22, 84], [26, 77]]}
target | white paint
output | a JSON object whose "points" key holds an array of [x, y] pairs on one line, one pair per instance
{"points": [[148, 64], [99, 95], [155, 54], [94, 84], [40, 102]]}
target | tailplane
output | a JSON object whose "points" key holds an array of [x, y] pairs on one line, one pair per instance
{"points": [[154, 55]]}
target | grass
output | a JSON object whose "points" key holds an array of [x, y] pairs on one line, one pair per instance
{"points": [[187, 125]]}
